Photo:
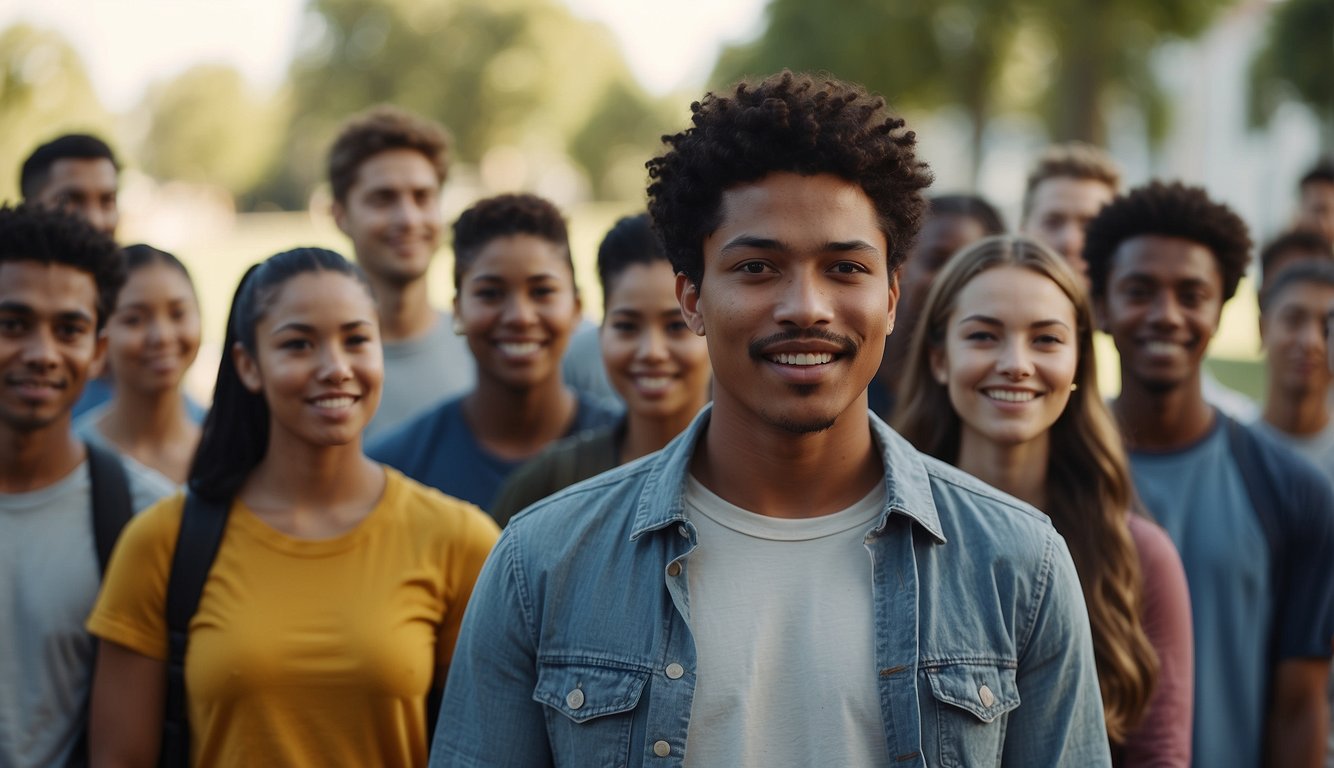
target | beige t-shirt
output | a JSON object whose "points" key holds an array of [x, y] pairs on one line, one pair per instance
{"points": [[783, 620]]}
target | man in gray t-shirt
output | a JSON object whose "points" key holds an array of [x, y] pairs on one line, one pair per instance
{"points": [[385, 169], [57, 278]]}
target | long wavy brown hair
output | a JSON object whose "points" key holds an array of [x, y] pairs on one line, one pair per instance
{"points": [[1088, 486]]}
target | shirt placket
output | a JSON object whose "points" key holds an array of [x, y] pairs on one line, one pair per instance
{"points": [[672, 687], [895, 590]]}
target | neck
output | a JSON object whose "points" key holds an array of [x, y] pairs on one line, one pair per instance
{"points": [[30, 461], [517, 423], [297, 475], [771, 471], [1297, 413], [405, 310], [136, 418], [1162, 421], [645, 435], [1019, 470]]}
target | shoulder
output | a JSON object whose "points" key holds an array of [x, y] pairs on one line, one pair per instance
{"points": [[1157, 554], [147, 485], [594, 413], [427, 427], [595, 510], [1298, 483], [153, 531]]}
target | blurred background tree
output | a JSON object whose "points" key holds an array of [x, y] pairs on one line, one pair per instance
{"points": [[44, 92], [1296, 63], [207, 126]]}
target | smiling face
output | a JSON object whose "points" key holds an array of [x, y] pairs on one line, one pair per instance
{"points": [[1008, 365], [795, 303], [517, 307], [153, 336], [656, 364], [1293, 329], [318, 360], [85, 187], [1162, 306], [392, 215], [48, 342]]}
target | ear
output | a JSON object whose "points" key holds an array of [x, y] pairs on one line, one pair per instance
{"points": [[99, 362], [339, 212], [687, 295], [247, 369], [893, 300], [939, 365]]}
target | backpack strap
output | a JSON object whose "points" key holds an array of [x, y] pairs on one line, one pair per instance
{"points": [[1259, 481], [202, 526], [112, 507]]}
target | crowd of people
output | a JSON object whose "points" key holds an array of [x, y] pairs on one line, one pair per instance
{"points": [[832, 484]]}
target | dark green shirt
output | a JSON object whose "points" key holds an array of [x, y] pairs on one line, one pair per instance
{"points": [[558, 467]]}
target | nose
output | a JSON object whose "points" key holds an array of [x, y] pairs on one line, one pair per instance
{"points": [[1164, 312], [1014, 362], [335, 365], [103, 218], [803, 301], [652, 346], [406, 213], [39, 351]]}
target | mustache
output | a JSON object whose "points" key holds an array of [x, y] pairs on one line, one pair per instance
{"points": [[847, 346]]}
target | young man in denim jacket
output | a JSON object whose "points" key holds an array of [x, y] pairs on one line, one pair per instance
{"points": [[788, 583]]}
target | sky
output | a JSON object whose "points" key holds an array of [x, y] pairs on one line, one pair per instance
{"points": [[128, 44]]}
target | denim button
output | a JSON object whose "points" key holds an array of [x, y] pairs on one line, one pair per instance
{"points": [[575, 698], [988, 698], [681, 529], [674, 671], [674, 569], [662, 748]]}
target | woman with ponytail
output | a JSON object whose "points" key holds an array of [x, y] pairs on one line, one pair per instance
{"points": [[1001, 382], [332, 606]]}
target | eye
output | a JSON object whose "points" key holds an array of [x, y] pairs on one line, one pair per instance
{"points": [[357, 340], [848, 268], [624, 326], [70, 331], [295, 344], [979, 336], [678, 327], [488, 294], [753, 267], [1048, 339], [12, 325]]}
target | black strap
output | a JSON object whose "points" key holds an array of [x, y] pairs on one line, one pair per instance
{"points": [[112, 507], [202, 525]]}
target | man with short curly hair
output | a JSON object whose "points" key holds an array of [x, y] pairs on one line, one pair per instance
{"points": [[386, 168], [787, 583], [1254, 523]]}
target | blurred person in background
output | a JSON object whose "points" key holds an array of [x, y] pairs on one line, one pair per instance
{"points": [[658, 365], [152, 340], [517, 304], [79, 174], [331, 607], [1315, 208], [385, 172], [1253, 521], [1067, 187], [58, 280], [1290, 248], [952, 222], [1007, 391]]}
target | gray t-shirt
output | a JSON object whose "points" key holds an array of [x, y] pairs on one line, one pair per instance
{"points": [[421, 372], [48, 581]]}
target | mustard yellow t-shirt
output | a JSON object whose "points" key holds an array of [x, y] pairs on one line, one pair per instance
{"points": [[307, 653]]}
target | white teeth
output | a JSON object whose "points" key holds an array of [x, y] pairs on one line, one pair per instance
{"points": [[653, 383], [333, 402], [1160, 347], [803, 358], [519, 349], [1009, 395]]}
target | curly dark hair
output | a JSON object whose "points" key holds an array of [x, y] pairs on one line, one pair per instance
{"points": [[36, 169], [1168, 210], [380, 129], [1289, 246], [798, 123], [48, 236], [502, 216]]}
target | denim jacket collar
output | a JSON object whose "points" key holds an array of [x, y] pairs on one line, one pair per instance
{"points": [[907, 486]]}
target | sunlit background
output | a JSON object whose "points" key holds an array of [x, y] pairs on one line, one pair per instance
{"points": [[222, 110]]}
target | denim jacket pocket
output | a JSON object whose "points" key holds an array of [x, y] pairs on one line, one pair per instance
{"points": [[590, 706], [965, 720]]}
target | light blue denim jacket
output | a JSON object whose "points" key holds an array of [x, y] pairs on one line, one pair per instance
{"points": [[576, 649]]}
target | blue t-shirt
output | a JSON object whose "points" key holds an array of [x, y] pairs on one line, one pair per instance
{"points": [[1243, 621], [439, 449]]}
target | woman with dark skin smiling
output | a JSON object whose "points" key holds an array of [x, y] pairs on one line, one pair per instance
{"points": [[517, 305], [1007, 391], [656, 364], [332, 606], [152, 340]]}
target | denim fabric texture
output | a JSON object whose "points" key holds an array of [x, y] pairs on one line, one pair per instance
{"points": [[576, 648]]}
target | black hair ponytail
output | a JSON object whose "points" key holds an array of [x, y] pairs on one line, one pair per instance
{"points": [[236, 430]]}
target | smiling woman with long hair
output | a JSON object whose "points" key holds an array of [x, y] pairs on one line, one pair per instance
{"points": [[1001, 383], [332, 606]]}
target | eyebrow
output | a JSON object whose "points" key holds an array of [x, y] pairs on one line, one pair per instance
{"points": [[308, 328], [754, 242], [988, 320], [501, 279], [19, 308]]}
